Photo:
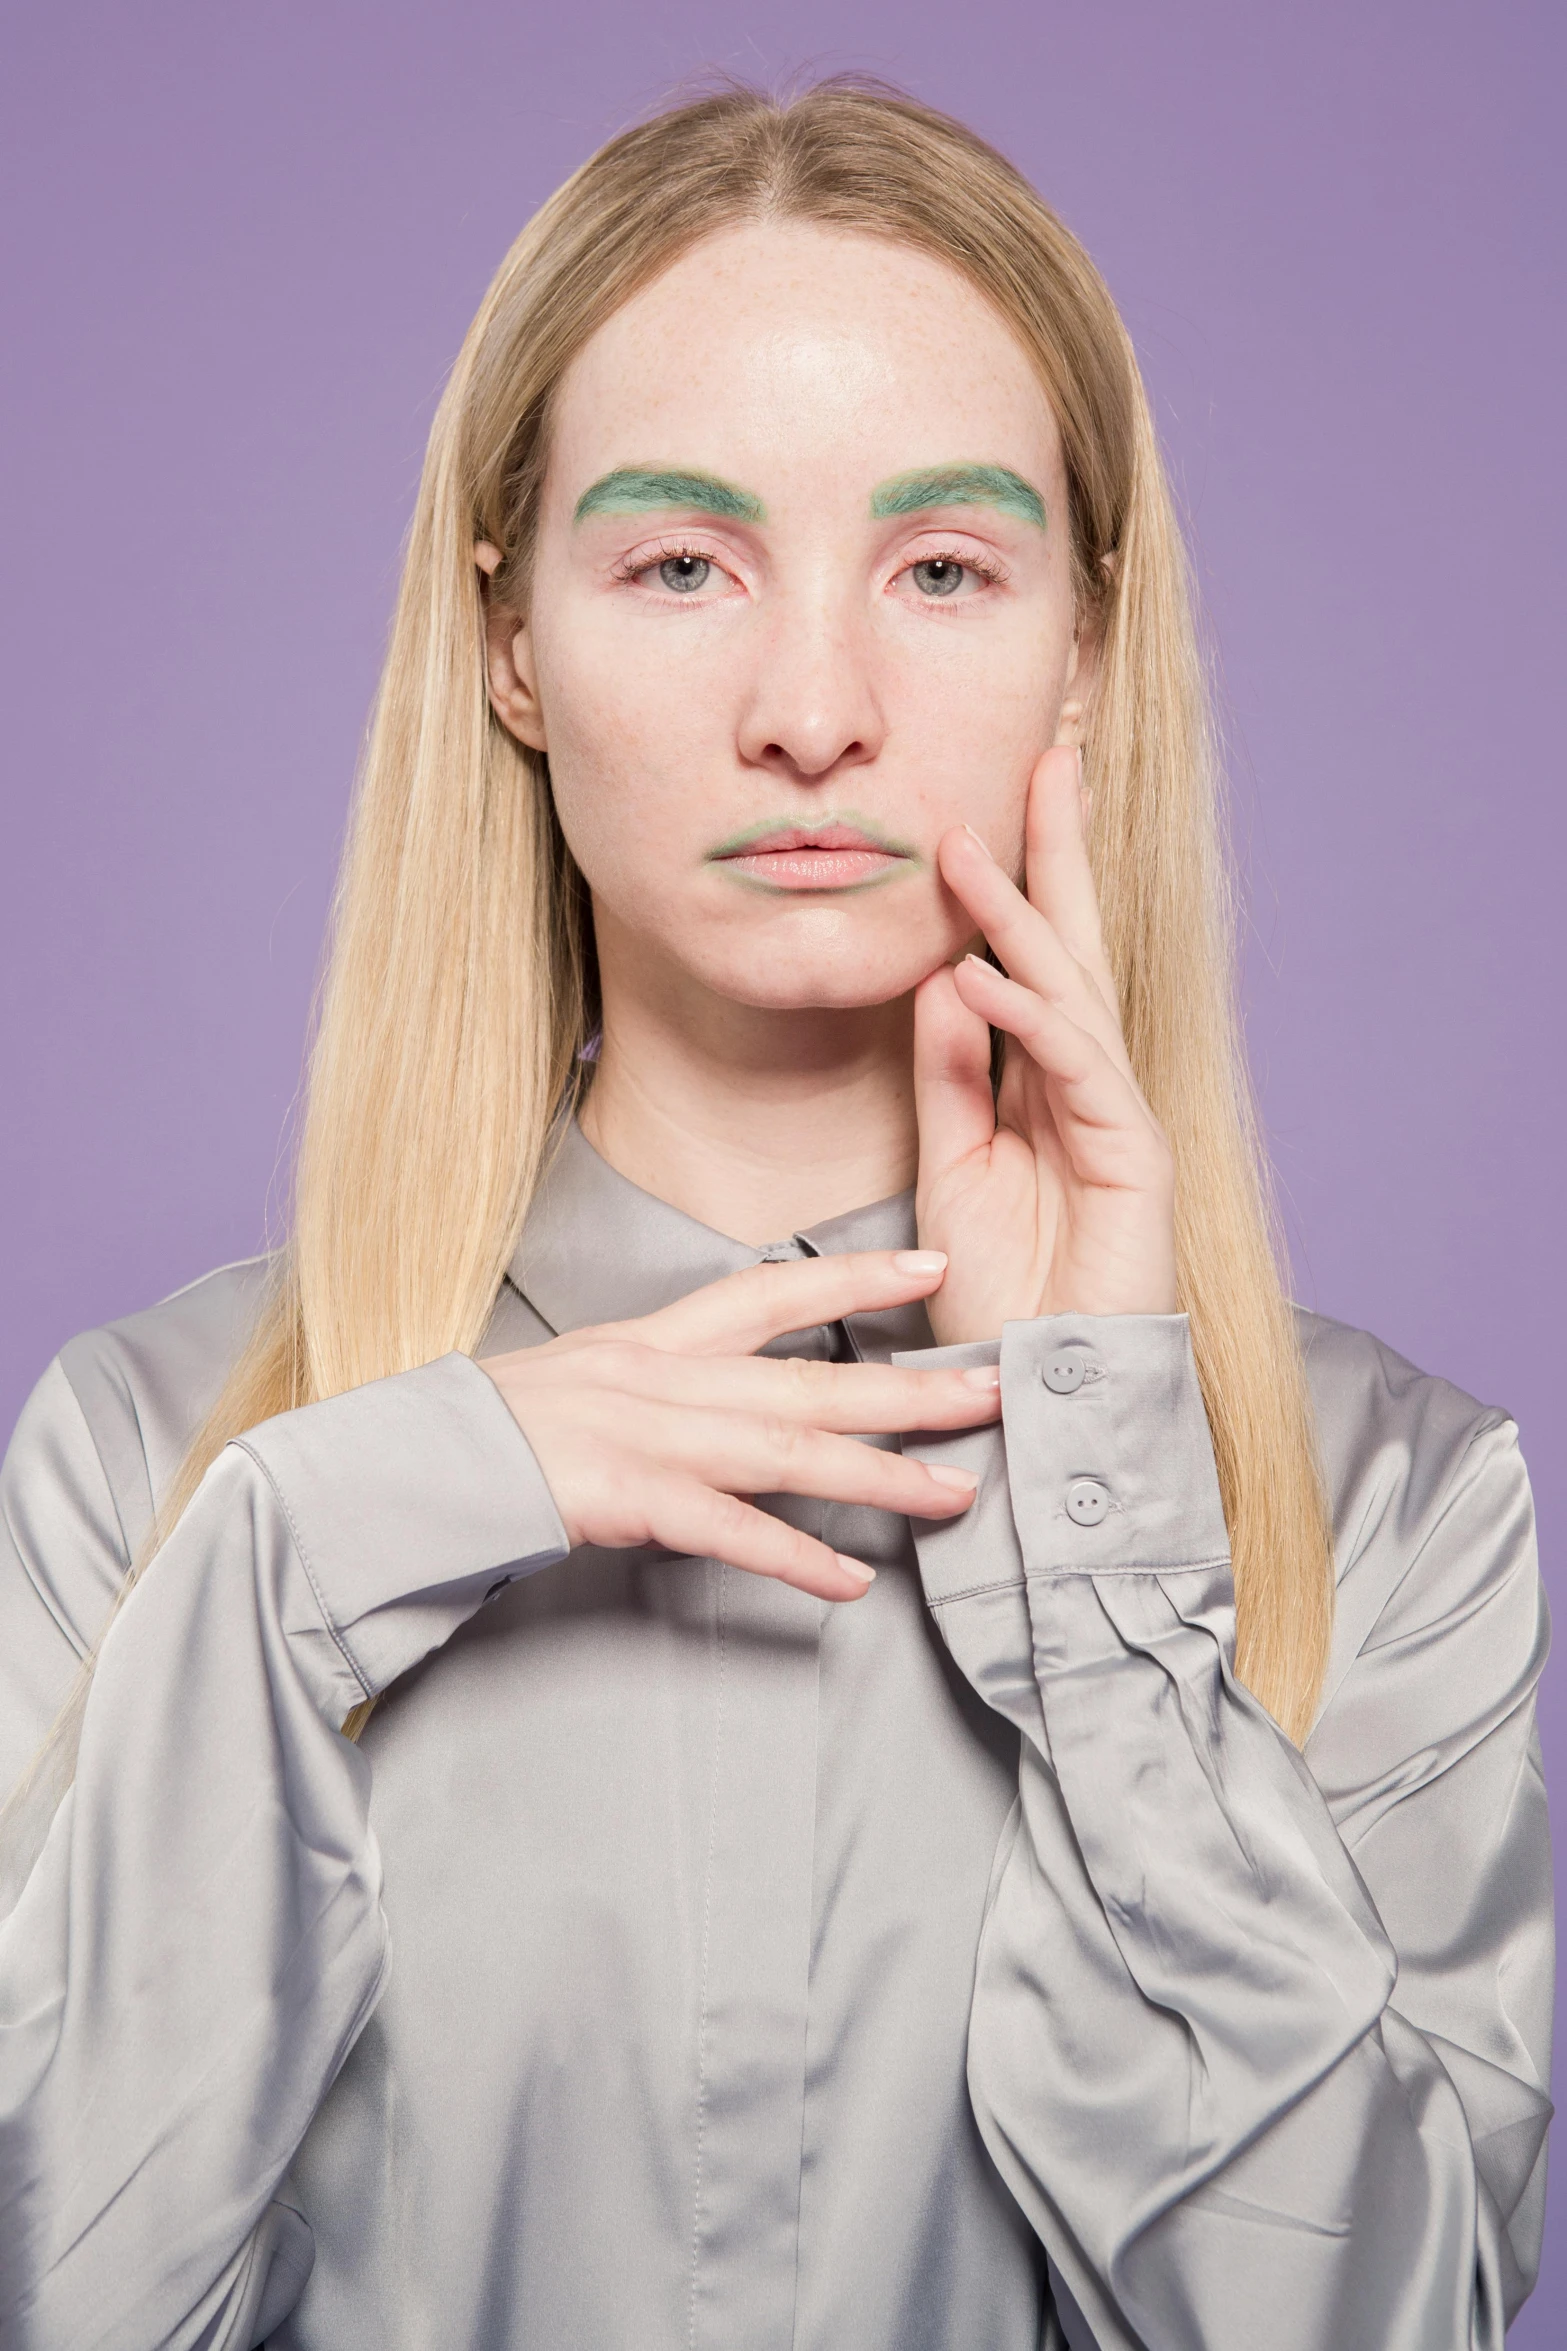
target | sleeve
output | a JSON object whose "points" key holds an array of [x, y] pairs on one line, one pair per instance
{"points": [[1260, 2066], [200, 1940]]}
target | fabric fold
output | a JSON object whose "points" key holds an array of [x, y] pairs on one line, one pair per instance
{"points": [[201, 1942], [1185, 2051]]}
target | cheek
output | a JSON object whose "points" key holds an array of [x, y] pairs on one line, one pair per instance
{"points": [[976, 717], [625, 742]]}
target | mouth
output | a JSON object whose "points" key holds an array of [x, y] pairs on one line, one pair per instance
{"points": [[836, 855]]}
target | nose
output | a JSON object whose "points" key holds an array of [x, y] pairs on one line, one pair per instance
{"points": [[813, 709]]}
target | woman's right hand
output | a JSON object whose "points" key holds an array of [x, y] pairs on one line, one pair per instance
{"points": [[655, 1431]]}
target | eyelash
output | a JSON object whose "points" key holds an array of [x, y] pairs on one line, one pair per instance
{"points": [[987, 566], [628, 572], [631, 569]]}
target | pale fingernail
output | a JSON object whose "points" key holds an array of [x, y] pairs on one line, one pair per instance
{"points": [[983, 1375], [856, 1567], [978, 843], [962, 1481], [921, 1261]]}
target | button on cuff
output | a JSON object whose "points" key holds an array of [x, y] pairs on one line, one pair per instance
{"points": [[1088, 1501]]}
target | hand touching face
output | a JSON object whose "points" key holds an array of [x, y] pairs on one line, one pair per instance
{"points": [[802, 601], [1055, 1195]]}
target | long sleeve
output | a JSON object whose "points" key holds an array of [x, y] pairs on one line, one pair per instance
{"points": [[200, 1939], [1259, 2042]]}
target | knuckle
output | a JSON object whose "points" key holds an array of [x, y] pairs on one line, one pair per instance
{"points": [[783, 1439], [811, 1378], [732, 1518], [612, 1360]]}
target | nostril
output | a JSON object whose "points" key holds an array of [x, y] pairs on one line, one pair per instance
{"points": [[847, 755]]}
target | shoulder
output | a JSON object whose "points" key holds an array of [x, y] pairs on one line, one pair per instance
{"points": [[144, 1384], [93, 1446], [1432, 1518], [1392, 1437]]}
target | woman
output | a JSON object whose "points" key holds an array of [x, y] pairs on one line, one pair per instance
{"points": [[1057, 1939]]}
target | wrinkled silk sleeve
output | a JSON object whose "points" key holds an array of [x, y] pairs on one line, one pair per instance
{"points": [[1262, 2053], [200, 1939]]}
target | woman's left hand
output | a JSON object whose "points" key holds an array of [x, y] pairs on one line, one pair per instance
{"points": [[1057, 1196]]}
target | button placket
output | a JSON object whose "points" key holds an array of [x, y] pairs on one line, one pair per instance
{"points": [[1065, 1370]]}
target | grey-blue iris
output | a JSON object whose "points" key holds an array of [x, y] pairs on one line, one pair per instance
{"points": [[939, 577], [684, 572]]}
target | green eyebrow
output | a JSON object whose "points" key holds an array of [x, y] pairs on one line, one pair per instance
{"points": [[634, 489], [959, 485]]}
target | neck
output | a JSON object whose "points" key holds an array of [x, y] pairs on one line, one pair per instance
{"points": [[758, 1123]]}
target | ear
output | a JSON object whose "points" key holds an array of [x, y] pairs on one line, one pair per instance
{"points": [[508, 660], [1082, 672]]}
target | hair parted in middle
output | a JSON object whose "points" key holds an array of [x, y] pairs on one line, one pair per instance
{"points": [[462, 986]]}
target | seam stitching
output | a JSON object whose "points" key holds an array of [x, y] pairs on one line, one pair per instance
{"points": [[707, 1937], [1063, 1575]]}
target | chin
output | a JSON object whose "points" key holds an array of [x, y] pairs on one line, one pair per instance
{"points": [[851, 979]]}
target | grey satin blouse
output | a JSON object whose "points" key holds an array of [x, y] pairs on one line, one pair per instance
{"points": [[682, 1964]]}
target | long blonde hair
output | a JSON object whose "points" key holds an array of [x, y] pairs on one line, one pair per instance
{"points": [[461, 986]]}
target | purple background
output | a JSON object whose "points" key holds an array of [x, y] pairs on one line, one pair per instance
{"points": [[243, 245]]}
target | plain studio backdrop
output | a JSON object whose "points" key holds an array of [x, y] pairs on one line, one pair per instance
{"points": [[242, 246]]}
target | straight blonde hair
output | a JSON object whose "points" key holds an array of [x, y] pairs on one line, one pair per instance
{"points": [[462, 986]]}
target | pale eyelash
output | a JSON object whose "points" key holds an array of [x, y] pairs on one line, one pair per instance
{"points": [[986, 565], [668, 550], [671, 550]]}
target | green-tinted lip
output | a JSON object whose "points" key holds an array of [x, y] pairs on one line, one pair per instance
{"points": [[753, 837], [850, 819]]}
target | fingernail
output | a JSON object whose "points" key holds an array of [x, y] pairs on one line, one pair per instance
{"points": [[980, 960], [983, 1375], [978, 843], [921, 1261], [856, 1567], [963, 1481]]}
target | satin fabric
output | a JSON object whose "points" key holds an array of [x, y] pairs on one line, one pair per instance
{"points": [[681, 1962]]}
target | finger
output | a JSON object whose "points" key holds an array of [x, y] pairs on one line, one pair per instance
{"points": [[1104, 1123], [953, 1102], [859, 1399], [1026, 941], [742, 1312], [685, 1515], [1060, 879], [744, 1453]]}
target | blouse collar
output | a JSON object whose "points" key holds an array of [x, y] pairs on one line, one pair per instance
{"points": [[596, 1248]]}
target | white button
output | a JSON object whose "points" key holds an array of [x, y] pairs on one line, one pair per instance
{"points": [[1087, 1501], [1065, 1372]]}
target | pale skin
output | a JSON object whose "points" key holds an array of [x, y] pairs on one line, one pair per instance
{"points": [[803, 562]]}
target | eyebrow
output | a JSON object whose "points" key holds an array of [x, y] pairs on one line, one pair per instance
{"points": [[959, 485], [635, 489]]}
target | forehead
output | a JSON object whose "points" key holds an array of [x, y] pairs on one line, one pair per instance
{"points": [[781, 345]]}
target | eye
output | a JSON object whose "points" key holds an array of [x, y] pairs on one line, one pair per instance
{"points": [[945, 576], [672, 568], [684, 574]]}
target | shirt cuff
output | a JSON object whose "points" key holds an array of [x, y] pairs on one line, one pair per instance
{"points": [[1109, 1454], [1103, 1464], [409, 1501]]}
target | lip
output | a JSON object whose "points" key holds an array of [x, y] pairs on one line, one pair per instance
{"points": [[836, 854]]}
